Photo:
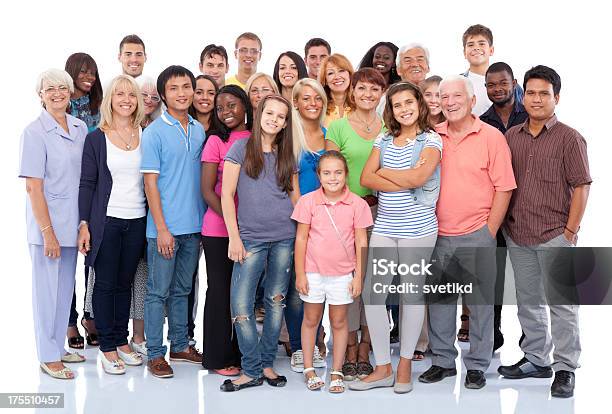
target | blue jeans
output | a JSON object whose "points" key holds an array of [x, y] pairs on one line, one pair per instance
{"points": [[169, 283], [277, 259]]}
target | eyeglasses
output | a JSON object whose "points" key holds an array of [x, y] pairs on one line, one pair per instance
{"points": [[262, 91], [51, 89], [153, 98], [248, 51]]}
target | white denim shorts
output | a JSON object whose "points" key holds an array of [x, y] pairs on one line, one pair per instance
{"points": [[331, 289]]}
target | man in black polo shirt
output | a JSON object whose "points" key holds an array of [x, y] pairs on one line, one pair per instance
{"points": [[505, 113]]}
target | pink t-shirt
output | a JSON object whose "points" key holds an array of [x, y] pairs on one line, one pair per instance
{"points": [[325, 253], [214, 151], [473, 168]]}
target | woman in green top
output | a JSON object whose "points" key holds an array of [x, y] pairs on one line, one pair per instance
{"points": [[354, 137]]}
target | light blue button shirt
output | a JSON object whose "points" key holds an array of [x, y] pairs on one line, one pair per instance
{"points": [[174, 154], [54, 155]]}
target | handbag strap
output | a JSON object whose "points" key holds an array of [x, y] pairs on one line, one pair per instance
{"points": [[337, 232]]}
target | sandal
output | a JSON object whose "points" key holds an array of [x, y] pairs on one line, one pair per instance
{"points": [[315, 382], [73, 357], [464, 333], [337, 386], [418, 356], [229, 386], [364, 368], [92, 338], [349, 371], [76, 342], [64, 373]]}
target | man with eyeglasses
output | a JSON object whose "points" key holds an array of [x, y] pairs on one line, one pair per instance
{"points": [[247, 53]]}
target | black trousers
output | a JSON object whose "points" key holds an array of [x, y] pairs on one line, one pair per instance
{"points": [[121, 249], [220, 344]]}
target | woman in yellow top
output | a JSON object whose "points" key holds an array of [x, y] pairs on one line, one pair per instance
{"points": [[335, 77]]}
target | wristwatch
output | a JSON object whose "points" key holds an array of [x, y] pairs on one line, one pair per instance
{"points": [[82, 223]]}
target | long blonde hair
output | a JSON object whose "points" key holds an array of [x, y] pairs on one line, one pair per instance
{"points": [[300, 144], [106, 110]]}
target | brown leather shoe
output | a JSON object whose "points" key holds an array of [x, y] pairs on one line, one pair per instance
{"points": [[191, 355], [159, 368]]}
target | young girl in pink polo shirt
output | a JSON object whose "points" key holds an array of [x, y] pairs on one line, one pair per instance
{"points": [[331, 238]]}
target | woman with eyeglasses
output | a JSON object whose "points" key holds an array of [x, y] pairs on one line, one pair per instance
{"points": [[152, 101], [50, 161], [258, 87]]}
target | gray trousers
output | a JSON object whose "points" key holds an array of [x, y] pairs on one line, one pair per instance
{"points": [[532, 277], [457, 256]]}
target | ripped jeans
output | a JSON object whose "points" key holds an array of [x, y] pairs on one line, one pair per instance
{"points": [[277, 259]]}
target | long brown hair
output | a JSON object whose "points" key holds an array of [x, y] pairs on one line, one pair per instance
{"points": [[391, 123], [285, 161]]}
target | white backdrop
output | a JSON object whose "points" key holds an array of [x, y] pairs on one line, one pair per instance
{"points": [[35, 36]]}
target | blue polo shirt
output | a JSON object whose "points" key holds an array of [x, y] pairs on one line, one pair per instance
{"points": [[174, 154]]}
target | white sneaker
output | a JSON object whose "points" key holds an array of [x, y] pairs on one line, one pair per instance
{"points": [[132, 358], [297, 361], [141, 348], [317, 360], [192, 342], [115, 367]]}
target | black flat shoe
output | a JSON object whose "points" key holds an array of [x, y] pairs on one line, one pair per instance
{"points": [[563, 385], [436, 373], [229, 386], [524, 369], [279, 381], [475, 379]]}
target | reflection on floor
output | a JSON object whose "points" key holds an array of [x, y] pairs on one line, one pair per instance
{"points": [[193, 390]]}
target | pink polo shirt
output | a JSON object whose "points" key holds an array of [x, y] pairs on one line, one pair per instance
{"points": [[214, 151], [473, 168], [325, 253]]}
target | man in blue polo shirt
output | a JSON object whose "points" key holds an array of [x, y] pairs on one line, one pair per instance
{"points": [[171, 148]]}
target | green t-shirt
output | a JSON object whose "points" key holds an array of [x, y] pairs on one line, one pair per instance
{"points": [[355, 149]]}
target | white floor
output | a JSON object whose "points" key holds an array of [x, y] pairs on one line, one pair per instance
{"points": [[194, 390]]}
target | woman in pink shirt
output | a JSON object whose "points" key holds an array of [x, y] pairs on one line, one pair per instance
{"points": [[330, 239], [227, 126]]}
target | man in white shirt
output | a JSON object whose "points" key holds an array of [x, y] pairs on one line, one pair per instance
{"points": [[478, 49]]}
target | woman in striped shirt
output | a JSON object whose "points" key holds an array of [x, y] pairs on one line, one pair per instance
{"points": [[404, 168]]}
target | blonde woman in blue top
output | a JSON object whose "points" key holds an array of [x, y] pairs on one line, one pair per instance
{"points": [[404, 168]]}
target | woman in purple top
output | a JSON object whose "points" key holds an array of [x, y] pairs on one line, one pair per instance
{"points": [[50, 161]]}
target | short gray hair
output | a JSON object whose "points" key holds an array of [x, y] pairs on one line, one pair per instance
{"points": [[408, 47], [466, 82], [54, 77]]}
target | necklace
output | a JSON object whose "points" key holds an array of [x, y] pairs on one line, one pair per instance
{"points": [[368, 128], [128, 145]]}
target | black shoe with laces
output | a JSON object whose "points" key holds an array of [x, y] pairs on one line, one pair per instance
{"points": [[563, 385], [524, 369], [436, 373], [475, 379]]}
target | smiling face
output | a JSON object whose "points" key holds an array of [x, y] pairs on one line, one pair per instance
{"points": [[230, 111], [55, 97], [367, 95], [332, 175], [216, 67], [273, 117], [540, 100], [338, 79], [248, 53], [405, 108], [432, 97], [151, 99], [413, 65], [260, 88], [309, 104], [124, 100], [132, 58], [456, 103], [204, 96], [313, 59], [287, 72], [477, 50], [382, 59], [500, 87], [85, 80], [178, 93]]}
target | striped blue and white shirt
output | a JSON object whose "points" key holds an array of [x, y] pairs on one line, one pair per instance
{"points": [[398, 214]]}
